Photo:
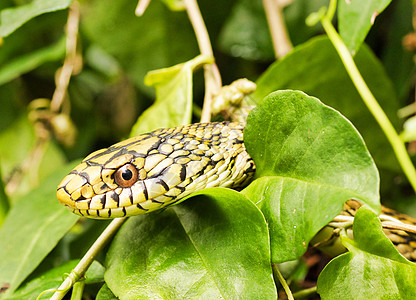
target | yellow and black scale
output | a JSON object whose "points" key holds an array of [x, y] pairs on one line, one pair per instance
{"points": [[151, 171], [157, 169]]}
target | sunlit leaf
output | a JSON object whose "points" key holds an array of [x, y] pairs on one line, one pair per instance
{"points": [[355, 18], [316, 69], [309, 160], [214, 245], [31, 230], [173, 105]]}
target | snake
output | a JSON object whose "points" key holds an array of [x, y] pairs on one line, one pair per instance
{"points": [[159, 169]]}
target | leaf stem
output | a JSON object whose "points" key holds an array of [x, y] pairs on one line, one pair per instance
{"points": [[304, 293], [70, 61], [282, 281], [211, 72], [277, 26], [88, 258], [368, 98], [141, 7]]}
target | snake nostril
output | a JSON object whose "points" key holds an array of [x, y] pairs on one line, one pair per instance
{"points": [[87, 191]]}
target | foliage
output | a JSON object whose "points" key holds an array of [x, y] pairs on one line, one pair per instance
{"points": [[304, 136]]}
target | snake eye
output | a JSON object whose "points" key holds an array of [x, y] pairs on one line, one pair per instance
{"points": [[126, 176]]}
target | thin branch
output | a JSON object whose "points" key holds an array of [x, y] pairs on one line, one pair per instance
{"points": [[277, 26], [369, 99], [33, 160], [282, 281], [211, 72], [88, 258], [304, 293], [141, 7], [70, 58]]}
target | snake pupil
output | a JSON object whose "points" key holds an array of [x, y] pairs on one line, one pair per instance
{"points": [[127, 174]]}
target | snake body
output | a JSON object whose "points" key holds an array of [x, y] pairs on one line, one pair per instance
{"points": [[157, 169]]}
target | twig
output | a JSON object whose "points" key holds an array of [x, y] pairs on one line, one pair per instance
{"points": [[304, 293], [88, 258], [211, 72], [33, 160], [141, 7], [70, 58], [277, 26], [368, 98], [282, 281]]}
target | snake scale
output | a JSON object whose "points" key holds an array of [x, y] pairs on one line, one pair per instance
{"points": [[158, 169]]}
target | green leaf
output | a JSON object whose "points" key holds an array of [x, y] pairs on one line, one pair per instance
{"points": [[213, 246], [316, 69], [398, 60], [356, 18], [13, 18], [157, 39], [31, 230], [4, 201], [373, 269], [53, 278], [175, 5], [295, 14], [309, 160], [22, 134], [245, 33], [28, 62], [173, 105], [105, 293]]}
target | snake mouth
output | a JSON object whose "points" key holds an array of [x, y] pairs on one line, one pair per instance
{"points": [[117, 212]]}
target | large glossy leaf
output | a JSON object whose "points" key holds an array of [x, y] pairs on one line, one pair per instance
{"points": [[173, 105], [373, 269], [316, 69], [31, 230], [30, 61], [14, 17], [52, 279], [309, 160], [356, 18], [213, 246]]}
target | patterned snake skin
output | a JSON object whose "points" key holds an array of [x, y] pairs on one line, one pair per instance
{"points": [[154, 170], [151, 171]]}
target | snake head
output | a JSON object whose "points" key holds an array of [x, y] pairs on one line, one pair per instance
{"points": [[151, 171]]}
